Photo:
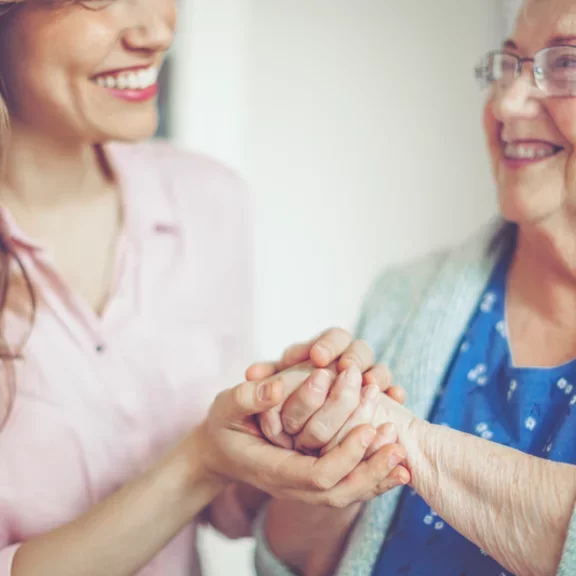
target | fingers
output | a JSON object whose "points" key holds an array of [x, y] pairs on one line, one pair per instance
{"points": [[329, 346], [364, 414], [359, 354], [271, 426], [260, 370], [358, 481], [383, 378], [308, 399], [397, 393], [271, 422], [342, 401], [379, 375], [386, 434], [371, 478], [247, 399], [295, 354], [280, 472], [331, 468]]}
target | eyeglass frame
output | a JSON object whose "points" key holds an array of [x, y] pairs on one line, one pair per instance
{"points": [[480, 69]]}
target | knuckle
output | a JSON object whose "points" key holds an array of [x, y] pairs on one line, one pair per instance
{"points": [[352, 357], [321, 481], [320, 433], [238, 394], [341, 334], [292, 423], [331, 332], [347, 398]]}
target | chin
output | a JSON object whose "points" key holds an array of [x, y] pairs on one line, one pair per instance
{"points": [[129, 131], [526, 206]]}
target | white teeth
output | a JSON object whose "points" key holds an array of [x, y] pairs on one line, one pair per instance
{"points": [[525, 152], [139, 80], [133, 81]]}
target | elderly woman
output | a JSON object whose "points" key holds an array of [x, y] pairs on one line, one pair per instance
{"points": [[125, 301], [483, 338]]}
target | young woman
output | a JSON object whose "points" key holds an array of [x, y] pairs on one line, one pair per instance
{"points": [[125, 292]]}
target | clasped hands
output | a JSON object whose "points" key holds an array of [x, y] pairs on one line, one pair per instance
{"points": [[312, 427]]}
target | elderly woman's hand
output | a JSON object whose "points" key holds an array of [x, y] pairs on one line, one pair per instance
{"points": [[330, 394], [232, 449]]}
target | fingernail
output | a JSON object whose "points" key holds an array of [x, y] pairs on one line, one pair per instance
{"points": [[390, 435], [370, 393], [322, 350], [265, 392], [368, 436], [319, 381], [401, 479], [395, 459]]}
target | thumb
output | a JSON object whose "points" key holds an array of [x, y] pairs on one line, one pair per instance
{"points": [[250, 398]]}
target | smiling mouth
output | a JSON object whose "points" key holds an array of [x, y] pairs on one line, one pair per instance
{"points": [[530, 151], [129, 79]]}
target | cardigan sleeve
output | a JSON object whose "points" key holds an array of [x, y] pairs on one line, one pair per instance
{"points": [[568, 563]]}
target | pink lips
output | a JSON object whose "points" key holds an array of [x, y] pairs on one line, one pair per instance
{"points": [[129, 94], [142, 95]]}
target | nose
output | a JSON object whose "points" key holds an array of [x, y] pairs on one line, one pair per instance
{"points": [[152, 26], [520, 99]]}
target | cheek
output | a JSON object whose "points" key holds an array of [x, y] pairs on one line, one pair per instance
{"points": [[491, 130], [563, 113], [60, 45]]}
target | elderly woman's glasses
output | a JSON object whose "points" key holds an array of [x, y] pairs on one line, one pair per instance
{"points": [[553, 68]]}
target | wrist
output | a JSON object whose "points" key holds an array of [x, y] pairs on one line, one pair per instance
{"points": [[194, 484], [419, 439]]}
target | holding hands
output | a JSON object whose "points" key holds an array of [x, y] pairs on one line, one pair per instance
{"points": [[316, 409]]}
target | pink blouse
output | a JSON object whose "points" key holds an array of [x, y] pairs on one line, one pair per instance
{"points": [[98, 399]]}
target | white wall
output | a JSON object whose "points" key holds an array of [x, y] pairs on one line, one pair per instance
{"points": [[357, 123], [366, 146]]}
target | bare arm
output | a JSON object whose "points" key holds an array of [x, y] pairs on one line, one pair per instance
{"points": [[122, 534], [516, 507]]}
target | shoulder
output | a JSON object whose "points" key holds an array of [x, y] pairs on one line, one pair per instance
{"points": [[178, 177], [399, 291]]}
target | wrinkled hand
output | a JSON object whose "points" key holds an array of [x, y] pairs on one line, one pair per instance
{"points": [[333, 345], [231, 447], [344, 382]]}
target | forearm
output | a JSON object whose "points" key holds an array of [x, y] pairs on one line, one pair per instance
{"points": [[123, 533], [234, 510], [514, 506], [309, 540]]}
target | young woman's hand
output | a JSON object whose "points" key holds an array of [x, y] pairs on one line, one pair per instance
{"points": [[231, 448]]}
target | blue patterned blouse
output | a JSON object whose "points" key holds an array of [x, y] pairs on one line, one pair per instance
{"points": [[530, 409]]}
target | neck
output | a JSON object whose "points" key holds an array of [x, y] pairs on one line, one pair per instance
{"points": [[543, 271], [42, 172]]}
